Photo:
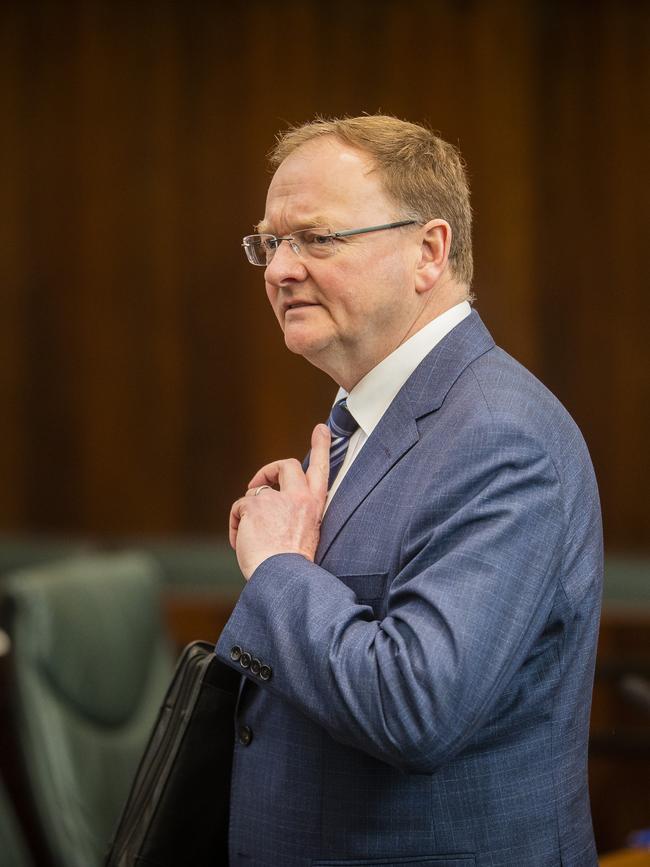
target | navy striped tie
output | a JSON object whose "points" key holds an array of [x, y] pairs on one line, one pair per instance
{"points": [[342, 424]]}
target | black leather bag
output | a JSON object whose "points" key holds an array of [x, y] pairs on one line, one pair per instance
{"points": [[177, 809]]}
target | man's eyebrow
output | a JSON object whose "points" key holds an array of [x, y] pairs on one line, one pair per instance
{"points": [[315, 222]]}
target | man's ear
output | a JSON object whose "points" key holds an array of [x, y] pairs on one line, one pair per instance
{"points": [[434, 254]]}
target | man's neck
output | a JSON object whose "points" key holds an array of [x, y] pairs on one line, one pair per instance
{"points": [[347, 377]]}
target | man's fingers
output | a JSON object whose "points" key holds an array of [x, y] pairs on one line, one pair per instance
{"points": [[286, 474], [268, 475], [233, 524], [319, 461]]}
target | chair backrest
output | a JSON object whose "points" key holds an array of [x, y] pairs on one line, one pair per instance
{"points": [[88, 666], [23, 551], [13, 851], [194, 563]]}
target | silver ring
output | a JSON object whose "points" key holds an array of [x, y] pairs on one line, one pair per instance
{"points": [[261, 488]]}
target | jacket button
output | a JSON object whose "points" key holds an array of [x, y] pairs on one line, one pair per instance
{"points": [[256, 665], [266, 672], [245, 659], [235, 652], [245, 735]]}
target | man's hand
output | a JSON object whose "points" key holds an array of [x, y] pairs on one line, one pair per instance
{"points": [[284, 521]]}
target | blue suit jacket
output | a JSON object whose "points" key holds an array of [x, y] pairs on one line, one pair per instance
{"points": [[430, 675]]}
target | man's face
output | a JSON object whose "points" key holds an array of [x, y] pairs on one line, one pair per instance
{"points": [[346, 312]]}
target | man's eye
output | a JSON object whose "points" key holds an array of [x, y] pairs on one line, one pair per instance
{"points": [[270, 243], [315, 239]]}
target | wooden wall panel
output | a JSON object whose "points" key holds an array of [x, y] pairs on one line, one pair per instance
{"points": [[499, 150], [12, 317], [143, 377], [591, 265]]}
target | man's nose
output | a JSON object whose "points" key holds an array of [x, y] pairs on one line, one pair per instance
{"points": [[285, 265]]}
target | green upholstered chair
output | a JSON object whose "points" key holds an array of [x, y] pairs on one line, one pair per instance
{"points": [[87, 666], [627, 581], [13, 851], [20, 551], [188, 564]]}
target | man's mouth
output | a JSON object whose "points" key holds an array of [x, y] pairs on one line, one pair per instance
{"points": [[298, 304]]}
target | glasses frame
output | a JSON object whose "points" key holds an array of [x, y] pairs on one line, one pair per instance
{"points": [[295, 246]]}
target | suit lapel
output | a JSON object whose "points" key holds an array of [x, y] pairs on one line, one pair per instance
{"points": [[394, 435], [397, 431]]}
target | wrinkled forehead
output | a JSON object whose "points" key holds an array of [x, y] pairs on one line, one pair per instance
{"points": [[322, 182]]}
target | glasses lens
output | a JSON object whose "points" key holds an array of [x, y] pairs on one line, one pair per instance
{"points": [[316, 243], [259, 248]]}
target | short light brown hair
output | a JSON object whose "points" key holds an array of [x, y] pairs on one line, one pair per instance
{"points": [[423, 174]]}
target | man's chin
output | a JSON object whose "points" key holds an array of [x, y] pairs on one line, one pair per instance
{"points": [[308, 345]]}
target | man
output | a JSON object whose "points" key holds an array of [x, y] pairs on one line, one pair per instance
{"points": [[417, 642]]}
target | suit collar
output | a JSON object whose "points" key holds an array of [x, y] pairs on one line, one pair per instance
{"points": [[432, 379], [397, 431], [374, 393]]}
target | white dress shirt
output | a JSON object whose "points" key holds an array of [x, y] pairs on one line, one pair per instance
{"points": [[372, 395]]}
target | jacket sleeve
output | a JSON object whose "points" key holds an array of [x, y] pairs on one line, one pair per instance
{"points": [[478, 571]]}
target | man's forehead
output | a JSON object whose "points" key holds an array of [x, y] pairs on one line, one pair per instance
{"points": [[316, 182], [304, 221], [325, 150]]}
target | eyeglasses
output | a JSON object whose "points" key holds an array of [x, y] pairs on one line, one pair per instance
{"points": [[318, 243]]}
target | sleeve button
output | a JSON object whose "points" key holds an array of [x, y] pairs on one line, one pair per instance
{"points": [[245, 659], [266, 672], [245, 735], [235, 652], [256, 665]]}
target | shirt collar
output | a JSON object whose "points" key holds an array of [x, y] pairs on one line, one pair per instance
{"points": [[372, 395]]}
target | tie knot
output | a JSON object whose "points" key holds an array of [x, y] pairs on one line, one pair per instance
{"points": [[341, 421]]}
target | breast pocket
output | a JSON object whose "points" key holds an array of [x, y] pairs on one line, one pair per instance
{"points": [[370, 589]]}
